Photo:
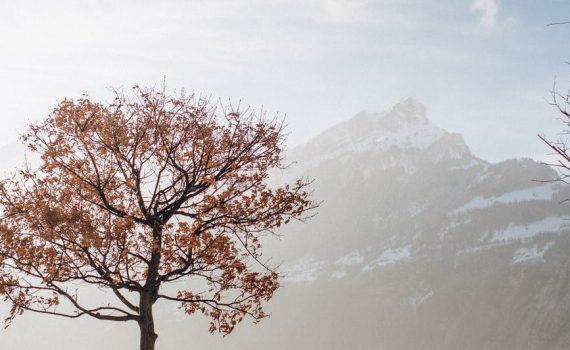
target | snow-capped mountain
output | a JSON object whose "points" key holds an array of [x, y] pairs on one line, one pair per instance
{"points": [[418, 244], [404, 128], [421, 245]]}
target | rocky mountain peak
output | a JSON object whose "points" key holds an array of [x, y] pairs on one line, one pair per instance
{"points": [[407, 111], [405, 126]]}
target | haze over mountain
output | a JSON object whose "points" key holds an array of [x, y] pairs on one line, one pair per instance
{"points": [[418, 244]]}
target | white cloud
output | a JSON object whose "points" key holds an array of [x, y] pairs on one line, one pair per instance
{"points": [[489, 11], [344, 11]]}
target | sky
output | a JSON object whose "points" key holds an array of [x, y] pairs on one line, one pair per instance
{"points": [[483, 68]]}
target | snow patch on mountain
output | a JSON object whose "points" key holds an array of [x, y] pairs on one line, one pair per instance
{"points": [[390, 256], [353, 258], [410, 135], [531, 254], [525, 232], [479, 248], [454, 223], [539, 193], [305, 270]]}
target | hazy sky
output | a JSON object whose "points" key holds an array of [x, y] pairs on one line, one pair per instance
{"points": [[482, 67]]}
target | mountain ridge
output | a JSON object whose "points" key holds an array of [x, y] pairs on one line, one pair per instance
{"points": [[404, 127], [438, 234]]}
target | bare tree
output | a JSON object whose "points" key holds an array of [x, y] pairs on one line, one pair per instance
{"points": [[561, 101]]}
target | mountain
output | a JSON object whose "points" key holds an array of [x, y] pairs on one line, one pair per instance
{"points": [[418, 244]]}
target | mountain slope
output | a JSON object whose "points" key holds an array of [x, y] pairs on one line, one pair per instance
{"points": [[434, 248]]}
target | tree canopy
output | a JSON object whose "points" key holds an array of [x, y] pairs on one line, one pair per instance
{"points": [[151, 197]]}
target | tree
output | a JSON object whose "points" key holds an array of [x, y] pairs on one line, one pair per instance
{"points": [[141, 195], [561, 101]]}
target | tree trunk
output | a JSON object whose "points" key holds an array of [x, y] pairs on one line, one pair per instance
{"points": [[146, 323]]}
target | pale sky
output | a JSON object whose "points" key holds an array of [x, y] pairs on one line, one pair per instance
{"points": [[483, 68]]}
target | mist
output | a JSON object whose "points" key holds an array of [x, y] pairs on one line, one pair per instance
{"points": [[439, 225]]}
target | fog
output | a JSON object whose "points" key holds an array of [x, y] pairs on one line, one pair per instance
{"points": [[439, 228]]}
